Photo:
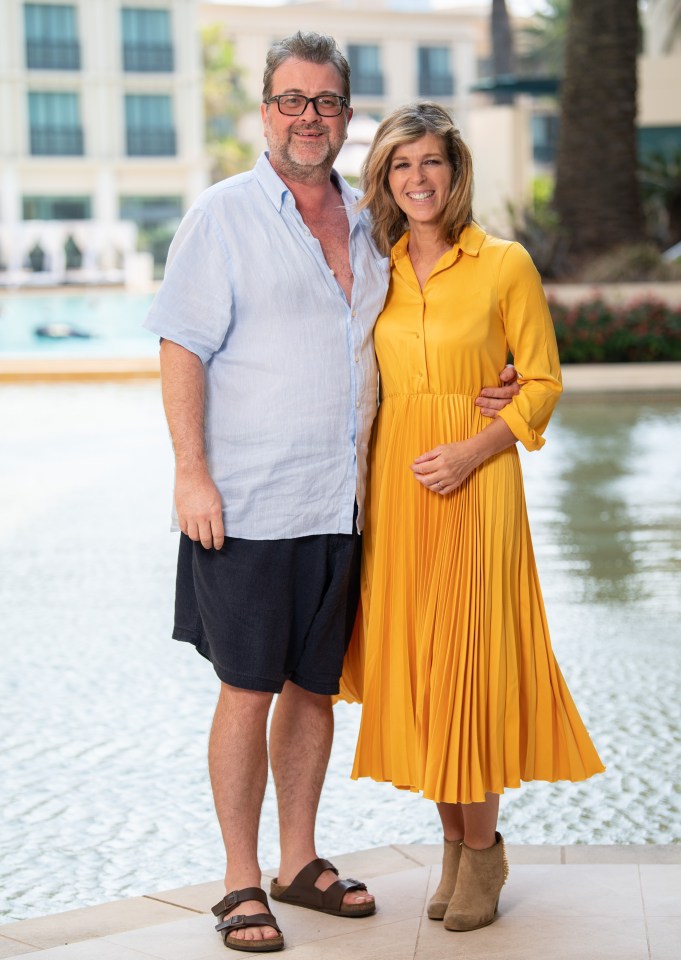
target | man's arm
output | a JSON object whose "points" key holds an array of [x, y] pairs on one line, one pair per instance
{"points": [[493, 399], [197, 499]]}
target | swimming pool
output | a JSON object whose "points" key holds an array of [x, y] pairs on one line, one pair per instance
{"points": [[103, 758], [112, 321]]}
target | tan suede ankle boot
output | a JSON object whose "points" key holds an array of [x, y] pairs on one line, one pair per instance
{"points": [[482, 874], [437, 906]]}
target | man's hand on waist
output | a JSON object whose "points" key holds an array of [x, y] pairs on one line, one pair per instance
{"points": [[493, 399], [199, 507]]}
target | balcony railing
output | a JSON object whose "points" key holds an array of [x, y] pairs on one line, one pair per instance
{"points": [[368, 84], [436, 85], [56, 141], [53, 55], [148, 57], [150, 143]]}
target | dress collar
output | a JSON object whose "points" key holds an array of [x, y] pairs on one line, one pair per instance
{"points": [[470, 241]]}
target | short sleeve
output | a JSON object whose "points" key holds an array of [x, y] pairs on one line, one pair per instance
{"points": [[532, 340], [193, 306]]}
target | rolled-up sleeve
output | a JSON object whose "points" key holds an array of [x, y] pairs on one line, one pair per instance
{"points": [[531, 337], [193, 306]]}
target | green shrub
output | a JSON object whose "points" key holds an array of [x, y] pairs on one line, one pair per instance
{"points": [[597, 332]]}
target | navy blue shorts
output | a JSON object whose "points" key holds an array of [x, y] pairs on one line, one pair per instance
{"points": [[267, 611]]}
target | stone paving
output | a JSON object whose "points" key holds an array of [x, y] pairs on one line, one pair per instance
{"points": [[560, 903]]}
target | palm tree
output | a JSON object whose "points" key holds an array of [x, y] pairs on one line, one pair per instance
{"points": [[597, 193], [543, 39]]}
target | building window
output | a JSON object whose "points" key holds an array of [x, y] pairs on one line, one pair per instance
{"points": [[57, 208], [149, 126], [149, 212], [55, 128], [435, 72], [544, 138], [365, 66], [51, 37], [147, 47]]}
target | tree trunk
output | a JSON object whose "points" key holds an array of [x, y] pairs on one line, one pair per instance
{"points": [[597, 192], [502, 48]]}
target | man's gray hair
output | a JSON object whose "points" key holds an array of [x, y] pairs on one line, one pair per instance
{"points": [[310, 47]]}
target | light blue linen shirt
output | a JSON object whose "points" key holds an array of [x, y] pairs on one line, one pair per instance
{"points": [[289, 365]]}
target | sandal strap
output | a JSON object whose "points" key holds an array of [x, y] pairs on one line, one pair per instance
{"points": [[305, 880], [240, 921], [236, 897], [303, 890], [332, 897]]}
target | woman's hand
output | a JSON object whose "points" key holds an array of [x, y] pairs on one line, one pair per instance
{"points": [[445, 468]]}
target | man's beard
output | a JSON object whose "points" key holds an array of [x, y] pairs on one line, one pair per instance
{"points": [[295, 168]]}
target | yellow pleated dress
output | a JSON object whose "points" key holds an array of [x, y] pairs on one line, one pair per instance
{"points": [[451, 657]]}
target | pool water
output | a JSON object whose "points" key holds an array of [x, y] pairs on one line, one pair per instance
{"points": [[103, 753], [112, 319]]}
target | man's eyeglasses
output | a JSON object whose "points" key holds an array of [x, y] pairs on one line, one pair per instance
{"points": [[295, 104]]}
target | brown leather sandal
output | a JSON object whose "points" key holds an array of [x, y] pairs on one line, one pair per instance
{"points": [[301, 892], [240, 921]]}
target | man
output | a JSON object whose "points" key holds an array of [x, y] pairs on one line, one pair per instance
{"points": [[269, 387]]}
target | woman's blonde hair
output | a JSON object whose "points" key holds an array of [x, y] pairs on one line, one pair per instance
{"points": [[405, 125]]}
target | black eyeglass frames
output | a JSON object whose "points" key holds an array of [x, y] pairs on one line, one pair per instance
{"points": [[295, 104]]}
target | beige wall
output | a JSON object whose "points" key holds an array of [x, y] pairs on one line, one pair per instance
{"points": [[659, 91]]}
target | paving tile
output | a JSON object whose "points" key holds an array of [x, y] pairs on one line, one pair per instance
{"points": [[392, 941], [12, 948], [664, 937], [661, 885], [424, 853], [88, 950], [623, 853], [573, 890], [534, 853], [90, 922], [538, 938], [183, 940], [199, 897]]}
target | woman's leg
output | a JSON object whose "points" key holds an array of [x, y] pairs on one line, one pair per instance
{"points": [[480, 822]]}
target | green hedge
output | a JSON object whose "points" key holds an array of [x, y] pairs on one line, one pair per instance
{"points": [[596, 332]]}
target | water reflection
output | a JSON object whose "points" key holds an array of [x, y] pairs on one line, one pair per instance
{"points": [[610, 500]]}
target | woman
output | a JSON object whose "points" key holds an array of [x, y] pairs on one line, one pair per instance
{"points": [[461, 693]]}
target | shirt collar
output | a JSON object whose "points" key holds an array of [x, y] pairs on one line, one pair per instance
{"points": [[471, 239], [276, 189]]}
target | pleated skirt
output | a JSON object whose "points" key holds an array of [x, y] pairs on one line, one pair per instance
{"points": [[451, 657]]}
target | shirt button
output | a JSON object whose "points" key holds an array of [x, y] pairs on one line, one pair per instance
{"points": [[357, 404], [356, 359], [332, 272], [354, 313]]}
